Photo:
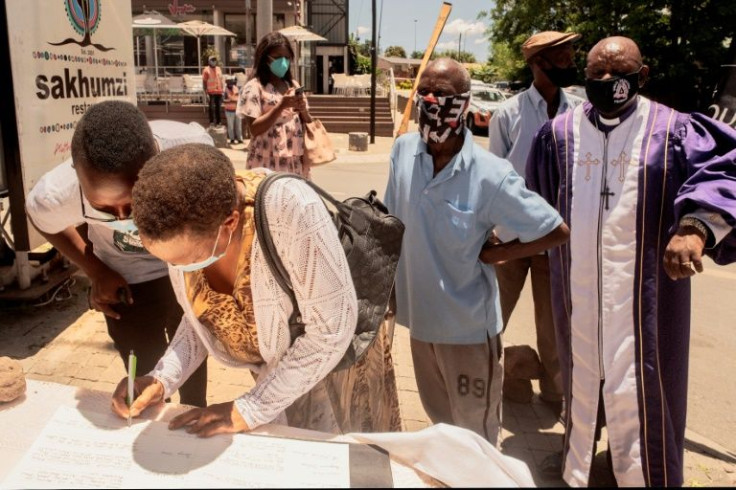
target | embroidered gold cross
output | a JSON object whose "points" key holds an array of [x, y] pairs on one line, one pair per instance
{"points": [[622, 162], [587, 163]]}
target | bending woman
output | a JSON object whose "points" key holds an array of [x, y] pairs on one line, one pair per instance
{"points": [[193, 212], [273, 110]]}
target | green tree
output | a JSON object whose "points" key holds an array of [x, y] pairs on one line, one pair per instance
{"points": [[684, 42], [418, 55], [507, 64], [396, 51], [359, 55], [462, 57], [486, 73]]}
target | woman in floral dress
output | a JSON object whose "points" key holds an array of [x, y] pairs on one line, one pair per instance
{"points": [[273, 110]]}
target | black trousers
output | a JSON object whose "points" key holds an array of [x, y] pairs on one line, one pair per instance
{"points": [[147, 326], [215, 106]]}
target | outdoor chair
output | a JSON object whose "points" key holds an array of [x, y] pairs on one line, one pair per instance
{"points": [[142, 86], [176, 89], [193, 88], [340, 87]]}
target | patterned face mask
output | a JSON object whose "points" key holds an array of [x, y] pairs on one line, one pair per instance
{"points": [[441, 116]]}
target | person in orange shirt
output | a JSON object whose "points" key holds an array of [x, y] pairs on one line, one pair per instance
{"points": [[212, 82]]}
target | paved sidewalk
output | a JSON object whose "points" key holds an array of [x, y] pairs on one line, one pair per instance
{"points": [[64, 342]]}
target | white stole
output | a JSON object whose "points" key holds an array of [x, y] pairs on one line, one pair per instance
{"points": [[603, 259]]}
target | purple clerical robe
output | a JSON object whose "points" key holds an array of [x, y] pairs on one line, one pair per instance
{"points": [[623, 326]]}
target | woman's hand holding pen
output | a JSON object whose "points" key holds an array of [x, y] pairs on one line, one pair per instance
{"points": [[148, 391]]}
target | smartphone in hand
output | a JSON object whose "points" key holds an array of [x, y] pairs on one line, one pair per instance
{"points": [[299, 91]]}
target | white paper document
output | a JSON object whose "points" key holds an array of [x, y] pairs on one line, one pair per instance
{"points": [[83, 449]]}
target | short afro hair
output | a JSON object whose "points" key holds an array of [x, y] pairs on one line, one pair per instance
{"points": [[113, 137], [187, 189]]}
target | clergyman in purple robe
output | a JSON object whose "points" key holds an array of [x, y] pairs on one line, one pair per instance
{"points": [[646, 191]]}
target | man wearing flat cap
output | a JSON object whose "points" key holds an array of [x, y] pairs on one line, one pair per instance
{"points": [[512, 128]]}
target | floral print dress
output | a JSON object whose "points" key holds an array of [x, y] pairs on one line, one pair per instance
{"points": [[281, 147]]}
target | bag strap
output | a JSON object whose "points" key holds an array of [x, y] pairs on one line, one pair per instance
{"points": [[264, 235], [296, 326]]}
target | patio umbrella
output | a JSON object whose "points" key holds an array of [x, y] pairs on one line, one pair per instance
{"points": [[153, 20], [300, 34], [199, 28]]}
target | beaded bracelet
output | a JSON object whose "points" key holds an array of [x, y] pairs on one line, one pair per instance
{"points": [[697, 224]]}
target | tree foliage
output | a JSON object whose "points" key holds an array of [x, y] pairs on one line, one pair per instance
{"points": [[684, 42], [359, 56], [418, 55], [462, 56], [396, 51], [484, 73]]}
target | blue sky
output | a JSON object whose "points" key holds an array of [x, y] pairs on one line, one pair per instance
{"points": [[398, 24]]}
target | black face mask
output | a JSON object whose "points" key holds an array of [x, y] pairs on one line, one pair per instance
{"points": [[562, 77], [610, 95]]}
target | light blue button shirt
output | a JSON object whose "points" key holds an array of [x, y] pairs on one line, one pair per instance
{"points": [[515, 123], [444, 293]]}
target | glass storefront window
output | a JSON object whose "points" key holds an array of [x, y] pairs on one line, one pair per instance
{"points": [[177, 53], [239, 52]]}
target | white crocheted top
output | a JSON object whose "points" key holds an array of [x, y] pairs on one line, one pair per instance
{"points": [[307, 242]]}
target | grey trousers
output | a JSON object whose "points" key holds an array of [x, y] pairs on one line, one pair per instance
{"points": [[461, 384], [511, 277]]}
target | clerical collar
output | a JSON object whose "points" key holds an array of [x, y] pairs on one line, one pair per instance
{"points": [[605, 124]]}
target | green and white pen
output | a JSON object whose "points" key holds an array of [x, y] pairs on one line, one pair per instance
{"points": [[132, 360]]}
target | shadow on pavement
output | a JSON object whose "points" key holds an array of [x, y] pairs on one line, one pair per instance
{"points": [[26, 328], [697, 447]]}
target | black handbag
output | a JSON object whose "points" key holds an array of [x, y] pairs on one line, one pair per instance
{"points": [[371, 239]]}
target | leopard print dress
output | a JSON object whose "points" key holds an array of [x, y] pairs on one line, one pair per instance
{"points": [[230, 317]]}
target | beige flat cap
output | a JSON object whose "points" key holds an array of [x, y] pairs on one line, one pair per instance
{"points": [[546, 39]]}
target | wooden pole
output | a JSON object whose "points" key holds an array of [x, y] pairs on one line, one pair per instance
{"points": [[373, 75], [438, 27]]}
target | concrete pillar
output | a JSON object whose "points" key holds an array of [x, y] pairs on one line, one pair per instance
{"points": [[325, 73], [149, 54], [218, 18], [264, 18], [23, 268]]}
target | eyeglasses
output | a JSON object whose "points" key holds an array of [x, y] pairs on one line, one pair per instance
{"points": [[101, 216]]}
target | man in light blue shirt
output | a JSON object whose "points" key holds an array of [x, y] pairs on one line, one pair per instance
{"points": [[450, 193], [511, 131]]}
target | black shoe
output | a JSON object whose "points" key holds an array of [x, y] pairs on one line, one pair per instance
{"points": [[551, 467], [556, 407]]}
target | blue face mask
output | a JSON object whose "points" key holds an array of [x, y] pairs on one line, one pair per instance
{"points": [[208, 261], [279, 66], [126, 226]]}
